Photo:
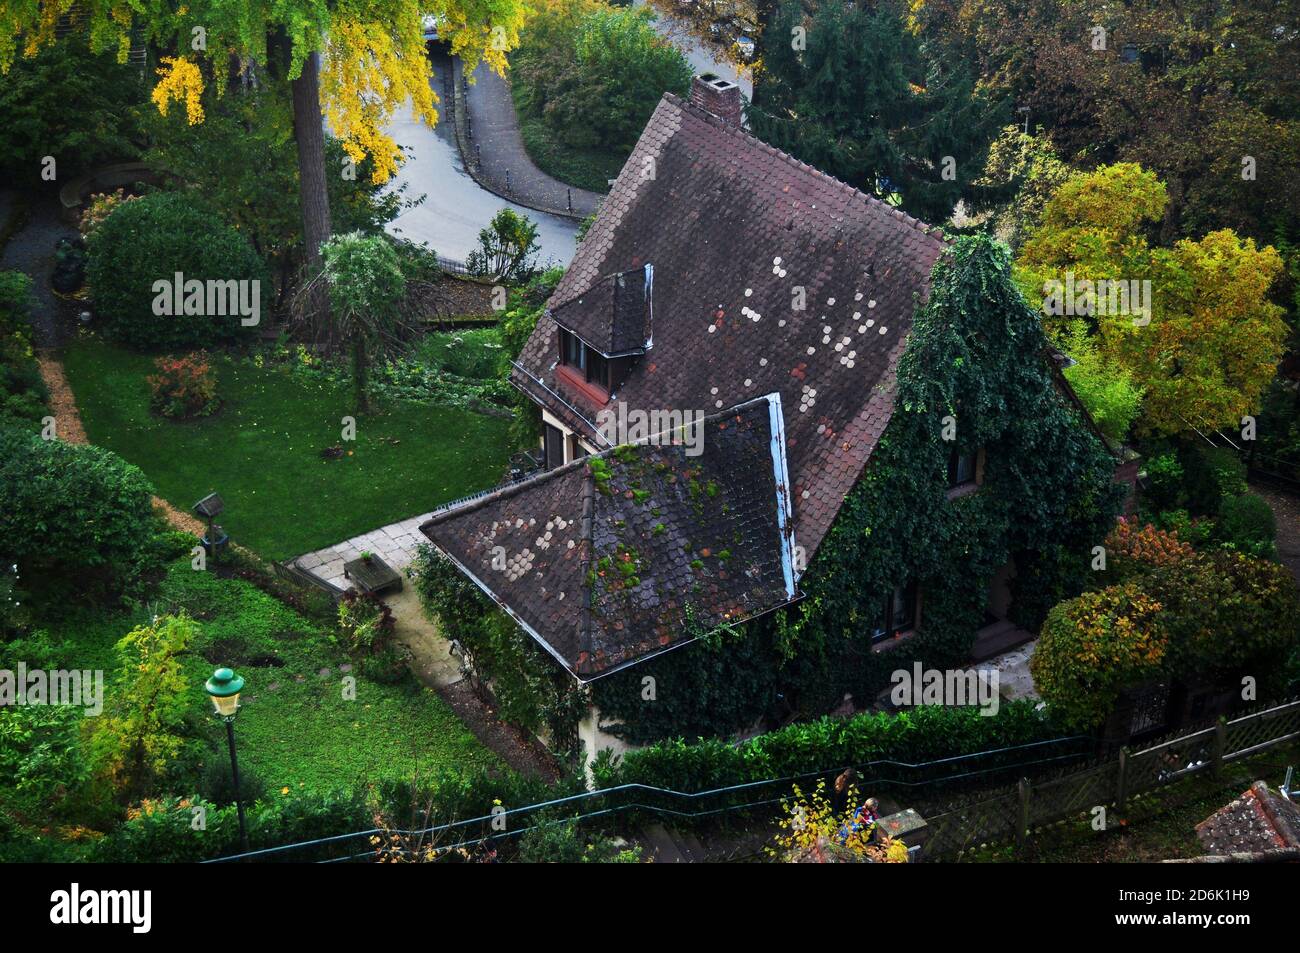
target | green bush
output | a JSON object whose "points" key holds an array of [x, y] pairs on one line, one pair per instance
{"points": [[926, 733], [151, 240], [1210, 476], [1215, 617], [593, 74], [1093, 647], [22, 391], [1164, 481], [76, 519], [1247, 524]]}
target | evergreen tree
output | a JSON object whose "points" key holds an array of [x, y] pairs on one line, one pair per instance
{"points": [[852, 92]]}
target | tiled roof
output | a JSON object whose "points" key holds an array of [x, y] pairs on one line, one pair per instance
{"points": [[622, 555], [737, 232], [1259, 820], [613, 316]]}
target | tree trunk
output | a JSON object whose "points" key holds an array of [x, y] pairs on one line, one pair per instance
{"points": [[309, 133], [361, 374]]}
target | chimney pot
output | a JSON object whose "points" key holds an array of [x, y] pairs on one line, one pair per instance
{"points": [[721, 97]]}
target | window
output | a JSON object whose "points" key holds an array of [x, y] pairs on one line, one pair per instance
{"points": [[898, 614], [576, 450], [593, 365], [961, 468], [554, 447]]}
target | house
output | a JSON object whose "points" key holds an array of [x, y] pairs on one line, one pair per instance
{"points": [[728, 292], [1259, 825]]}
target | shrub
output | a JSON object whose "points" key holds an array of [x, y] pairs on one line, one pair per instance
{"points": [[925, 733], [1229, 616], [138, 736], [365, 622], [99, 208], [76, 519], [1093, 647], [184, 386], [22, 392], [1216, 617], [151, 240], [507, 248], [1164, 480], [1247, 524], [1133, 550]]}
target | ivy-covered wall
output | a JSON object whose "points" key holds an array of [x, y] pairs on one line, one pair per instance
{"points": [[978, 355]]}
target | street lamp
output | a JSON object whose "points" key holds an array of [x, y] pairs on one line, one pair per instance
{"points": [[224, 687]]}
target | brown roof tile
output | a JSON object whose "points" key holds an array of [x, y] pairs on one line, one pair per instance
{"points": [[734, 228]]}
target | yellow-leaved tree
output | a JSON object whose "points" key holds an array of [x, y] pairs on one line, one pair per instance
{"points": [[353, 62]]}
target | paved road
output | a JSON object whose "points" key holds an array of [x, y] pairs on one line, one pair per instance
{"points": [[496, 133], [456, 206]]}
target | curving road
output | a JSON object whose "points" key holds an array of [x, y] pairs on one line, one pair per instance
{"points": [[455, 206]]}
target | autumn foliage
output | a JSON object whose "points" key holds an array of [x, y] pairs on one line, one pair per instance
{"points": [[184, 386]]}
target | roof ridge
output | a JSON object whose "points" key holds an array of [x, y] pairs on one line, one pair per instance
{"points": [[701, 113]]}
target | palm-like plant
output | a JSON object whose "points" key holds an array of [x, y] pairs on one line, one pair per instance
{"points": [[364, 279]]}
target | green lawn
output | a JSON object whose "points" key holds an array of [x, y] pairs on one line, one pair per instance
{"points": [[262, 450], [295, 728]]}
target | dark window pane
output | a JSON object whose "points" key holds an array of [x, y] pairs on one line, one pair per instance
{"points": [[554, 447], [961, 468]]}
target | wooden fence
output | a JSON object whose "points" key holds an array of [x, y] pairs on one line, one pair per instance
{"points": [[1018, 813]]}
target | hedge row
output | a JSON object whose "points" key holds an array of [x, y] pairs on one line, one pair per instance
{"points": [[918, 735], [169, 833]]}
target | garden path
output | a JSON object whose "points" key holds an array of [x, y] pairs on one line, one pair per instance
{"points": [[68, 426]]}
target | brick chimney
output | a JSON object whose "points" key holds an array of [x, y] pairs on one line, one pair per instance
{"points": [[718, 96]]}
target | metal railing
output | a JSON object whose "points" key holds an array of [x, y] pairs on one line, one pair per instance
{"points": [[685, 806]]}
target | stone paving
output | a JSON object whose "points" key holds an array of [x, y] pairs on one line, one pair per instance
{"points": [[394, 544]]}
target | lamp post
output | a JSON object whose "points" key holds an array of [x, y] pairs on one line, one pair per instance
{"points": [[224, 687]]}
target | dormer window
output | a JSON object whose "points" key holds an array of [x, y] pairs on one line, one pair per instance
{"points": [[593, 366]]}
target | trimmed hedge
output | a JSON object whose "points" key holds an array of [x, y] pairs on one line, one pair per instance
{"points": [[921, 734], [77, 519], [152, 239], [165, 832]]}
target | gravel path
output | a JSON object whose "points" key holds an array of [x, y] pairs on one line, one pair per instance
{"points": [[1287, 511]]}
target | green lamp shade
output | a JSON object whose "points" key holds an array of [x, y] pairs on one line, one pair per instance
{"points": [[224, 686]]}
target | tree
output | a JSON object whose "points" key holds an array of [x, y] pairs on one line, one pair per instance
{"points": [[374, 62], [71, 104], [364, 280], [866, 103], [1209, 345], [139, 734], [1191, 89], [594, 73]]}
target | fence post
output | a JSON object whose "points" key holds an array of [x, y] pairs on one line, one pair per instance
{"points": [[1121, 783], [1220, 746], [1022, 828]]}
